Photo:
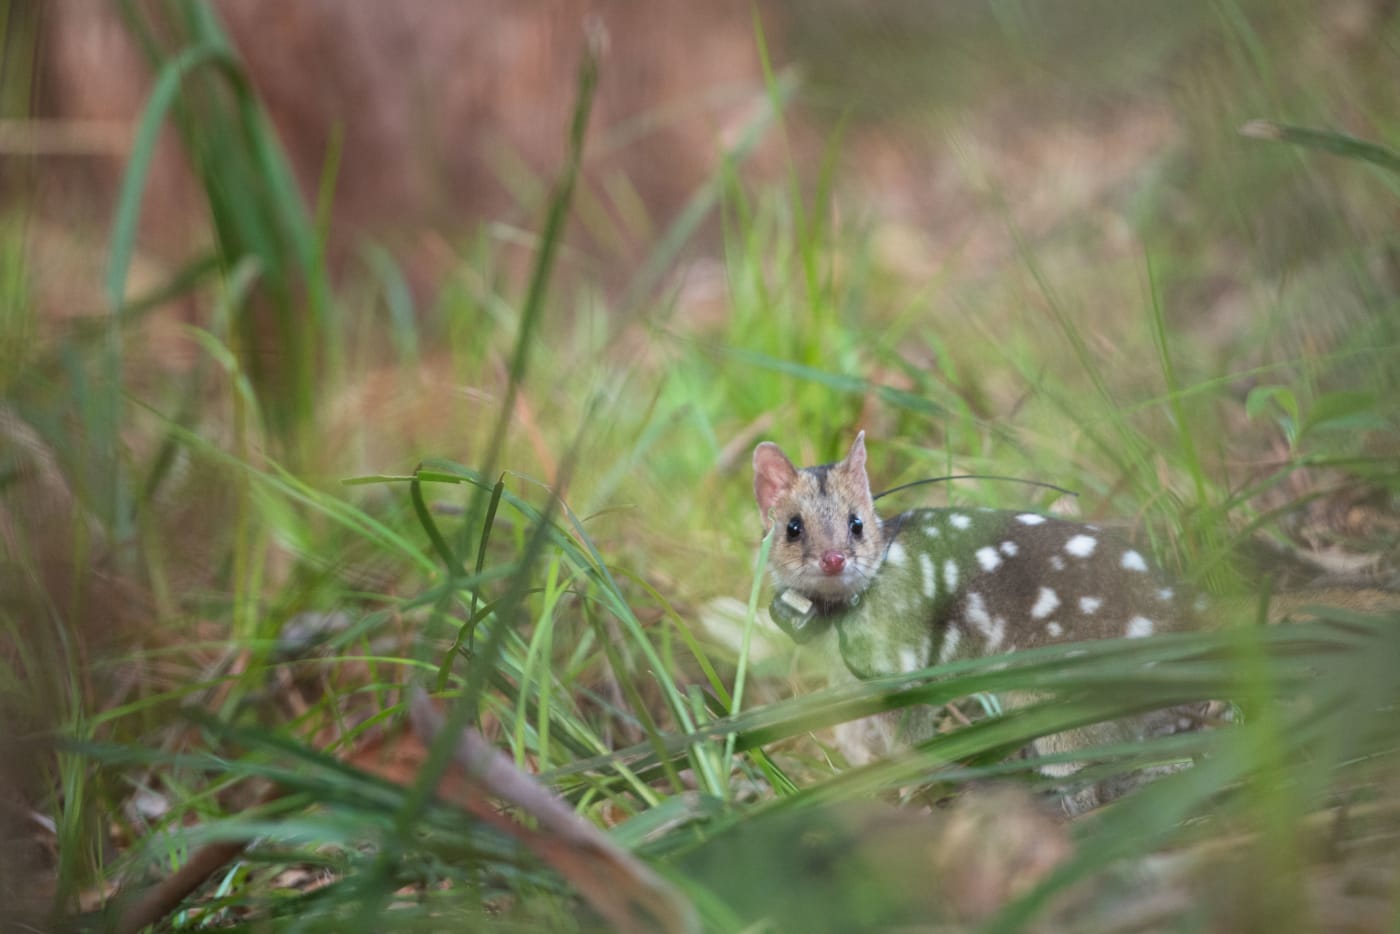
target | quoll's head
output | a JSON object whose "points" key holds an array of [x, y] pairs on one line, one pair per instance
{"points": [[829, 542]]}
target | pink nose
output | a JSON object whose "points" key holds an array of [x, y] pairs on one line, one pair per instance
{"points": [[833, 562]]}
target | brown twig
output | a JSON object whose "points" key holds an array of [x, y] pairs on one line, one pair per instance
{"points": [[619, 887], [624, 891], [165, 896]]}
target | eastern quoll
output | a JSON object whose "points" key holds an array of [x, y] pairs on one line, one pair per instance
{"points": [[932, 585]]}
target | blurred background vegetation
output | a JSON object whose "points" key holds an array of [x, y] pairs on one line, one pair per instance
{"points": [[351, 347]]}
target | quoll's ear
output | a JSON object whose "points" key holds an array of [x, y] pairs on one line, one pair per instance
{"points": [[773, 475], [855, 457], [852, 469], [854, 464]]}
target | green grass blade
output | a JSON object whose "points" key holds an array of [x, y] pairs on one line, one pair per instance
{"points": [[1339, 144]]}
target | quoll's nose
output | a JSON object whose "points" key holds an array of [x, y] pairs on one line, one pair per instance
{"points": [[833, 562]]}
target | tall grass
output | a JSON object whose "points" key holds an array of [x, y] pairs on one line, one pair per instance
{"points": [[556, 585], [255, 206]]}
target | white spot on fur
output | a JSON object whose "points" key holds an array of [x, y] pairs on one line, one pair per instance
{"points": [[1090, 605], [1057, 563], [959, 521], [1132, 561], [1030, 518], [932, 531], [1045, 603], [950, 574], [1054, 629], [993, 629], [1201, 604], [1138, 627], [926, 568], [997, 635], [1081, 546], [988, 558], [1058, 769], [950, 644], [909, 660], [977, 613], [896, 554], [1166, 593], [1009, 549]]}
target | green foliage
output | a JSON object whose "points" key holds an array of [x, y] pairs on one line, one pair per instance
{"points": [[1332, 411], [555, 583], [1340, 144], [255, 206]]}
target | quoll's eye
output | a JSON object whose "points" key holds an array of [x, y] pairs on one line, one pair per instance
{"points": [[857, 526], [794, 528]]}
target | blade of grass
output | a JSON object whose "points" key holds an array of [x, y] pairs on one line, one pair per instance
{"points": [[1340, 144], [741, 671], [532, 310]]}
